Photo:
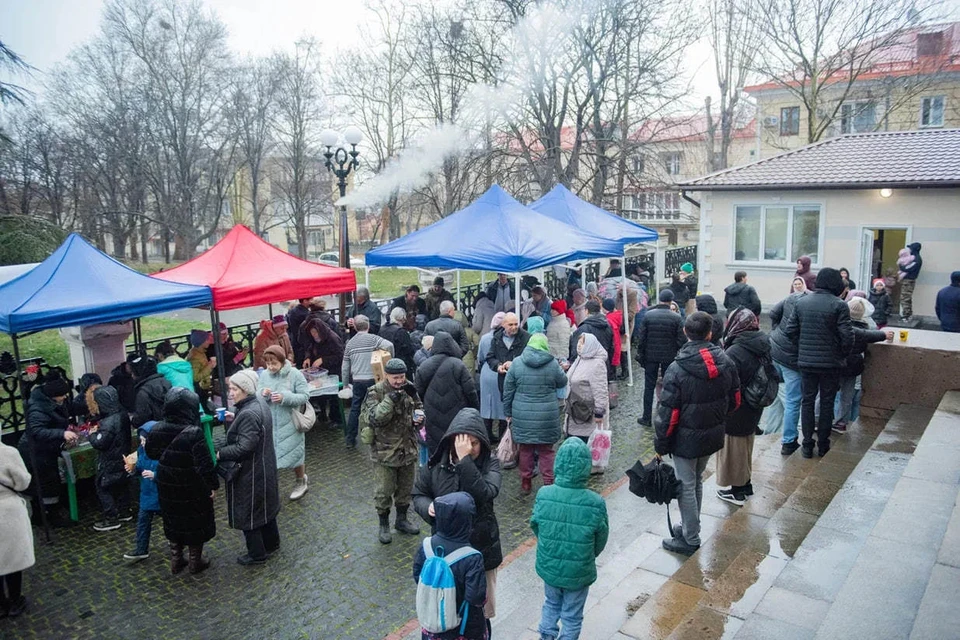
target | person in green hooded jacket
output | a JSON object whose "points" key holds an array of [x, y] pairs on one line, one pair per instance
{"points": [[571, 526], [172, 367]]}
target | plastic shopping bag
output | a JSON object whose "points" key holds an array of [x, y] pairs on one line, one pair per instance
{"points": [[507, 451], [600, 443]]}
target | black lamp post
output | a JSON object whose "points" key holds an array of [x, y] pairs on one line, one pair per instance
{"points": [[341, 162]]}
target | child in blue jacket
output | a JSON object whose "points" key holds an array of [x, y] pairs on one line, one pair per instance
{"points": [[145, 467]]}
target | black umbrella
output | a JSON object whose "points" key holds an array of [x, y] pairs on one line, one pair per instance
{"points": [[657, 482]]}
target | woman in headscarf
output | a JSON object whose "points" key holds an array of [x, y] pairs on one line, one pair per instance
{"points": [[491, 403], [746, 346], [588, 402], [804, 271], [579, 307]]}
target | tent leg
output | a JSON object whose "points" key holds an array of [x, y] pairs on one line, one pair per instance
{"points": [[218, 348], [459, 297], [516, 281], [270, 310], [33, 454], [483, 280], [628, 327], [366, 276]]}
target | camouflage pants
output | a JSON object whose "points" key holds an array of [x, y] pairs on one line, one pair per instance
{"points": [[394, 486], [906, 297]]}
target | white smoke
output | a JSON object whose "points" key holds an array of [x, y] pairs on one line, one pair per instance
{"points": [[535, 49]]}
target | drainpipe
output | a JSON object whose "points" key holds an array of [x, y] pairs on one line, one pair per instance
{"points": [[683, 194]]}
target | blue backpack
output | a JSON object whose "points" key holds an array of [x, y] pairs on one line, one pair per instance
{"points": [[437, 590]]}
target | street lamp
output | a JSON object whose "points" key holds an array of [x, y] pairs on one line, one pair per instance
{"points": [[341, 162]]}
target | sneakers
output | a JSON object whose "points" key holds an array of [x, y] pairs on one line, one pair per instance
{"points": [[107, 524], [731, 496], [807, 450], [747, 489], [17, 607], [135, 556], [840, 427], [679, 545], [246, 560], [509, 465], [299, 488], [787, 448], [125, 516]]}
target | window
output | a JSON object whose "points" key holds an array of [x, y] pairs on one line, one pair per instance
{"points": [[858, 117], [638, 165], [930, 44], [671, 162], [790, 121], [776, 233], [652, 206], [931, 111]]}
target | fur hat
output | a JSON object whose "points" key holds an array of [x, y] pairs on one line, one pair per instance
{"points": [[666, 296], [394, 366], [55, 386], [438, 281], [857, 308], [277, 352], [829, 279], [609, 304], [246, 380], [198, 337]]}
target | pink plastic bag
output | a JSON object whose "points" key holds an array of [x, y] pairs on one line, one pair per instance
{"points": [[600, 443], [507, 451]]}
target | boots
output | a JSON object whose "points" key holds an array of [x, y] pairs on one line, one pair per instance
{"points": [[403, 525], [197, 562], [385, 536], [177, 563]]}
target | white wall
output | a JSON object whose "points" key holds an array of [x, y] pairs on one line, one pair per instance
{"points": [[932, 217]]}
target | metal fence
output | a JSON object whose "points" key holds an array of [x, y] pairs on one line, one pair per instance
{"points": [[673, 259], [34, 371]]}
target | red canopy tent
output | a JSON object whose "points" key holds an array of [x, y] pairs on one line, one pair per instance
{"points": [[245, 271]]}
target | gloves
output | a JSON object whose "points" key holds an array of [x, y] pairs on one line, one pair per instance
{"points": [[397, 398]]}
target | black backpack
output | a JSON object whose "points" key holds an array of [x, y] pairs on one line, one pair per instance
{"points": [[762, 389]]}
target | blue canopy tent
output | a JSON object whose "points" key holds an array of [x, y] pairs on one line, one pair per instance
{"points": [[563, 205]]}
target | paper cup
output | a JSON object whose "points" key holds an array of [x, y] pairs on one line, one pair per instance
{"points": [[221, 413], [904, 334]]}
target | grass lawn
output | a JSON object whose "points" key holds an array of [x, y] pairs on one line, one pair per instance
{"points": [[389, 283]]}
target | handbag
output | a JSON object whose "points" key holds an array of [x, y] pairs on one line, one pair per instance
{"points": [[507, 450], [228, 470], [579, 408], [304, 417]]}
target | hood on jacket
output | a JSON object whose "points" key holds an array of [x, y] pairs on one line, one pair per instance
{"points": [[756, 342], [444, 344], [266, 328], [181, 406], [700, 359], [536, 358], [152, 376], [455, 513], [955, 278], [108, 400], [313, 322], [829, 279], [467, 421], [804, 264], [86, 380], [175, 363], [735, 289], [915, 248], [146, 427], [591, 347], [571, 468], [706, 303], [41, 400], [597, 320]]}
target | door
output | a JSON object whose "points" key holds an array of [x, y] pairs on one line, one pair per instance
{"points": [[866, 259]]}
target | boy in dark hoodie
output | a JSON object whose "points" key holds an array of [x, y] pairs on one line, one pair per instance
{"points": [[909, 282], [112, 439], [708, 305], [146, 468], [700, 389], [454, 526]]}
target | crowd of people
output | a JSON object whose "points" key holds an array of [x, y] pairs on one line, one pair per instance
{"points": [[445, 397]]}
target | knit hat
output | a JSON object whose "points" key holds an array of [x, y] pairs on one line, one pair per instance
{"points": [[277, 352], [497, 319], [609, 304], [55, 386], [879, 281], [538, 341], [829, 279], [198, 337], [686, 267], [246, 380], [592, 306], [437, 281], [535, 324], [560, 306], [394, 366], [666, 296], [223, 327], [279, 320], [857, 308]]}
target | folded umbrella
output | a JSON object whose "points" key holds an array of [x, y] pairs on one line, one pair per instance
{"points": [[657, 482]]}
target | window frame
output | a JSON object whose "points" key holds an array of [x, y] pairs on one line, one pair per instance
{"points": [[855, 105], [669, 158], [796, 121], [943, 111], [791, 206]]}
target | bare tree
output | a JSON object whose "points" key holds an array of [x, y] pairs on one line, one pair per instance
{"points": [[10, 93]]}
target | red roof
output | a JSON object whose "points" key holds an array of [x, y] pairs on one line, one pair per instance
{"points": [[898, 59], [687, 128], [245, 271]]}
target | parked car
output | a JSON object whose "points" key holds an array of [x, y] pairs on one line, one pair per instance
{"points": [[332, 258]]}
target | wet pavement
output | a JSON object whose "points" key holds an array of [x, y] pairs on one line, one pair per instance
{"points": [[331, 578]]}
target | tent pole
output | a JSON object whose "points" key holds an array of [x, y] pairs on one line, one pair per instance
{"points": [[270, 310], [628, 327], [459, 298], [33, 454], [140, 348], [516, 282], [483, 280], [366, 272], [218, 349]]}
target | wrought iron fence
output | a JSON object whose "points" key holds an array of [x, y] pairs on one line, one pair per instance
{"points": [[34, 371], [673, 259]]}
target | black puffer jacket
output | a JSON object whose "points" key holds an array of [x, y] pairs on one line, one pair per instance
{"points": [[862, 336], [295, 318], [820, 329], [480, 478], [781, 348], [911, 272], [46, 422], [123, 382], [881, 307], [112, 438], [745, 350], [452, 327], [500, 353], [707, 304], [700, 389], [595, 323], [151, 392], [185, 474], [741, 294], [660, 336], [445, 386], [253, 495], [402, 344]]}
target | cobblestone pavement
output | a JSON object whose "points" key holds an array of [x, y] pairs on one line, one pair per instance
{"points": [[331, 578]]}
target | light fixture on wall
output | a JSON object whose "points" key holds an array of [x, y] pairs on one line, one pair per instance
{"points": [[886, 193]]}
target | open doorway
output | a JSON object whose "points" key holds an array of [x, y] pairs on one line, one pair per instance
{"points": [[879, 248]]}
